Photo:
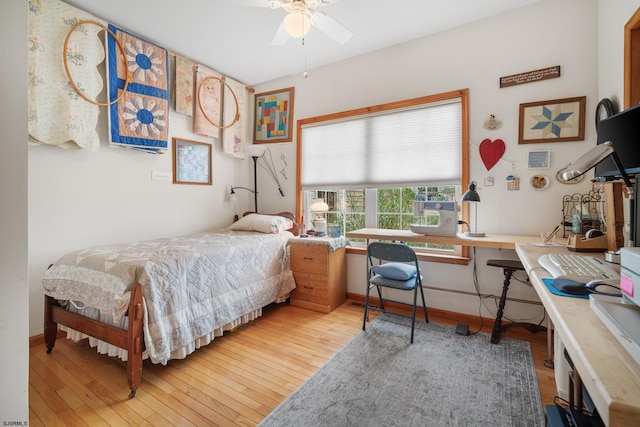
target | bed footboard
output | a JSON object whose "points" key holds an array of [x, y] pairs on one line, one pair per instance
{"points": [[130, 340]]}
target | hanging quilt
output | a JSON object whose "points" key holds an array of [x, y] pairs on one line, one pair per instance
{"points": [[185, 69], [208, 111], [57, 113], [139, 91], [234, 132]]}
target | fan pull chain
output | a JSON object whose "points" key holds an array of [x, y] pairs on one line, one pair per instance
{"points": [[305, 75]]}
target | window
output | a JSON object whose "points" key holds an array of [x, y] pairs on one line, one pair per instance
{"points": [[371, 164]]}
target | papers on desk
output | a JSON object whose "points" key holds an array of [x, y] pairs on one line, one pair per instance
{"points": [[546, 244]]}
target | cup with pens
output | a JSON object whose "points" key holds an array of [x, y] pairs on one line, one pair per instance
{"points": [[549, 237]]}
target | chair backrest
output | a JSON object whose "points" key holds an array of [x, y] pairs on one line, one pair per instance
{"points": [[395, 252]]}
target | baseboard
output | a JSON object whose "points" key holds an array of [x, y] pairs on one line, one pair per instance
{"points": [[406, 309], [37, 340]]}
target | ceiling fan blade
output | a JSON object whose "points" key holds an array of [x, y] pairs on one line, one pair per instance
{"points": [[271, 4], [330, 27], [281, 36]]}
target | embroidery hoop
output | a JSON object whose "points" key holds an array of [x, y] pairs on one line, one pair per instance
{"points": [[235, 99], [66, 65]]}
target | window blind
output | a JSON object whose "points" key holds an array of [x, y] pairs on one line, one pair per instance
{"points": [[399, 148]]}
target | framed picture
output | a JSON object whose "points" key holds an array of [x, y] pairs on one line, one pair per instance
{"points": [[538, 160], [191, 162], [273, 116], [557, 120]]}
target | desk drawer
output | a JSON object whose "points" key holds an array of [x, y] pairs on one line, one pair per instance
{"points": [[311, 259]]}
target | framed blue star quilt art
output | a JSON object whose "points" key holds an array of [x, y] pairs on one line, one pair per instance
{"points": [[557, 120], [138, 118]]}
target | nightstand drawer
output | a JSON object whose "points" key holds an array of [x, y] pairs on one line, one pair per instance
{"points": [[311, 259], [313, 289]]}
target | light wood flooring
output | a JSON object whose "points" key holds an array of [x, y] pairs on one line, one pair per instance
{"points": [[235, 381]]}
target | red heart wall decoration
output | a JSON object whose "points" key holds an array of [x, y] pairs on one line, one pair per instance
{"points": [[491, 152]]}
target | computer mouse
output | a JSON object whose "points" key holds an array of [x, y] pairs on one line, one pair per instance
{"points": [[570, 286]]}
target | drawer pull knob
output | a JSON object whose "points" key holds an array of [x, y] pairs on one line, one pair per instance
{"points": [[308, 287], [308, 258]]}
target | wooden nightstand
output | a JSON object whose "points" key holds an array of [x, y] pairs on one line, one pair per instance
{"points": [[319, 269]]}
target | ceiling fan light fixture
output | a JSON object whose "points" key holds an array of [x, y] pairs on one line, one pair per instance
{"points": [[297, 22]]}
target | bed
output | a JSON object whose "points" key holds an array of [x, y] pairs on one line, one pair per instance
{"points": [[162, 299]]}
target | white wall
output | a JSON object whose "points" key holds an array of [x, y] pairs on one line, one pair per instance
{"points": [[14, 317], [612, 17], [475, 56]]}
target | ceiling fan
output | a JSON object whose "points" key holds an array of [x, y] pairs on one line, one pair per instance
{"points": [[301, 16]]}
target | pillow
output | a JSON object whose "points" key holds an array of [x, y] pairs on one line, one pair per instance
{"points": [[262, 223], [395, 270]]}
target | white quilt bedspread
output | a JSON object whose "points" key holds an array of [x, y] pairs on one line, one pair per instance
{"points": [[191, 285]]}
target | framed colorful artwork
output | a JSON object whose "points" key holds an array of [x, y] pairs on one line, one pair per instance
{"points": [[273, 116], [191, 162], [556, 120]]}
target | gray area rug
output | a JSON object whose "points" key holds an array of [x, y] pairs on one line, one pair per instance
{"points": [[442, 379]]}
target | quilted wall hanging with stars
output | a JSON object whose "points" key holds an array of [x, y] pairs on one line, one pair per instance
{"points": [[140, 117], [556, 120]]}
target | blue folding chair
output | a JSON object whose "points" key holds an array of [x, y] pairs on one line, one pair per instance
{"points": [[394, 265]]}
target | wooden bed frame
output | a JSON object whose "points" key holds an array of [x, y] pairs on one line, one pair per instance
{"points": [[131, 339]]}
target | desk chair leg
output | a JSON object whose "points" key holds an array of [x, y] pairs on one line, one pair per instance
{"points": [[413, 312], [366, 307]]}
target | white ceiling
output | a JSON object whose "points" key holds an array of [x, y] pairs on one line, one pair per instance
{"points": [[236, 40]]}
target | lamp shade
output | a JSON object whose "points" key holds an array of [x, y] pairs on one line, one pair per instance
{"points": [[587, 161], [471, 195], [319, 206], [297, 23], [255, 150]]}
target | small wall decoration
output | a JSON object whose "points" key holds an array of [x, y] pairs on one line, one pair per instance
{"points": [[273, 116], [530, 76], [191, 162], [491, 152], [538, 160], [539, 182], [556, 120], [492, 123]]}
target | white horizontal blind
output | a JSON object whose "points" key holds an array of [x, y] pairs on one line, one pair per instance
{"points": [[398, 148]]}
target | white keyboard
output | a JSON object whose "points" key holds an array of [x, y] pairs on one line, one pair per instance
{"points": [[581, 268]]}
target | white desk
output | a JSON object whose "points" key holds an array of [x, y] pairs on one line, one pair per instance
{"points": [[489, 241], [608, 372]]}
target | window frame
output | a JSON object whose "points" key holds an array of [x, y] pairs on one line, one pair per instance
{"points": [[462, 94]]}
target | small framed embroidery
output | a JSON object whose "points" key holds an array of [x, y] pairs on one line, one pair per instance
{"points": [[191, 162]]}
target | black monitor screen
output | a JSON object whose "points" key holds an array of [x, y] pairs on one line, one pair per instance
{"points": [[623, 130]]}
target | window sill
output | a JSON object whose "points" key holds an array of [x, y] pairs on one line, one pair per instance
{"points": [[443, 258]]}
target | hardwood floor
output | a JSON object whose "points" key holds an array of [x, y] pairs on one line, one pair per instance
{"points": [[235, 381]]}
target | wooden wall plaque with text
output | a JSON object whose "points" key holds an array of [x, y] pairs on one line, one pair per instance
{"points": [[530, 76]]}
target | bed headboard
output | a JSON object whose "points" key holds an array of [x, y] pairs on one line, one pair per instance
{"points": [[297, 227]]}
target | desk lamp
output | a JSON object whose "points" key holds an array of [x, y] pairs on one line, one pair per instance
{"points": [[255, 151], [471, 195], [589, 160], [319, 207]]}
